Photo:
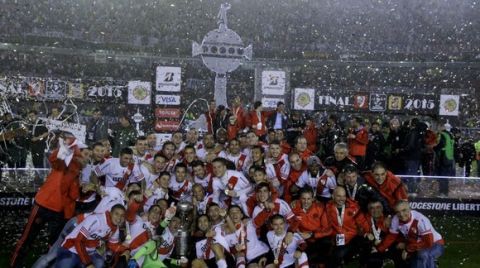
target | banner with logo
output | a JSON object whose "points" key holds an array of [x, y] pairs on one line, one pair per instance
{"points": [[56, 90], [268, 102], [35, 87], [168, 79], [76, 90], [304, 99], [449, 105], [14, 200], [167, 100], [167, 125], [78, 130], [139, 92], [12, 87], [446, 206], [273, 83], [167, 112]]}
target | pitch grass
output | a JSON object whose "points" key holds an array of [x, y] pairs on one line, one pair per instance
{"points": [[462, 236]]}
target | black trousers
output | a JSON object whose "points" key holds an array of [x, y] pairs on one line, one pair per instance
{"points": [[36, 221]]}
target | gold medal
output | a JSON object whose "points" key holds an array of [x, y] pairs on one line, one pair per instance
{"points": [[275, 262]]}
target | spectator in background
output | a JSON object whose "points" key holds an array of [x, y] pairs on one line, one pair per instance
{"points": [[477, 150], [412, 152], [97, 128], [358, 141], [428, 154], [395, 141], [445, 160], [333, 135], [55, 114], [295, 127], [376, 143], [14, 141], [38, 133], [124, 136], [467, 155], [278, 120]]}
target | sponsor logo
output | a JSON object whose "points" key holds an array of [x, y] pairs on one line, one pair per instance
{"points": [[16, 201], [167, 112], [167, 99], [163, 125], [271, 102]]}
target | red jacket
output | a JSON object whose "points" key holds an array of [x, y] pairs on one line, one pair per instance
{"points": [[311, 134], [358, 145], [313, 220], [253, 120], [392, 189], [62, 187], [240, 114], [353, 221]]}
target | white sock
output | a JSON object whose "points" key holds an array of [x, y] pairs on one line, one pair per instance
{"points": [[222, 263]]}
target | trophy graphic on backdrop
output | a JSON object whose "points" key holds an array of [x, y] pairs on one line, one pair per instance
{"points": [[222, 51]]}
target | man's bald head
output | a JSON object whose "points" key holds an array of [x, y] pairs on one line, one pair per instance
{"points": [[339, 196]]}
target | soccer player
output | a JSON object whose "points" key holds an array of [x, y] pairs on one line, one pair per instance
{"points": [[421, 244]]}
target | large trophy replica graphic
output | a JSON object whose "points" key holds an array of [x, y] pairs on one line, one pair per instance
{"points": [[222, 51]]}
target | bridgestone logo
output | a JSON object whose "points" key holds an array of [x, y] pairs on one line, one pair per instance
{"points": [[16, 201]]}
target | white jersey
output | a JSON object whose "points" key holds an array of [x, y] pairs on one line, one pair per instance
{"points": [[140, 232], [241, 160], [281, 251], [97, 230], [328, 183], [201, 246], [181, 190], [170, 166], [202, 205], [417, 226], [231, 180], [114, 172], [247, 235], [113, 196], [142, 172], [283, 166], [204, 182], [157, 194], [280, 207], [167, 244]]}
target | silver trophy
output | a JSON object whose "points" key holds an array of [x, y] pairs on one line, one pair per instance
{"points": [[182, 235]]}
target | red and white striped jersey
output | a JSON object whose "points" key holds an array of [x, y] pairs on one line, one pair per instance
{"points": [[114, 172]]}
